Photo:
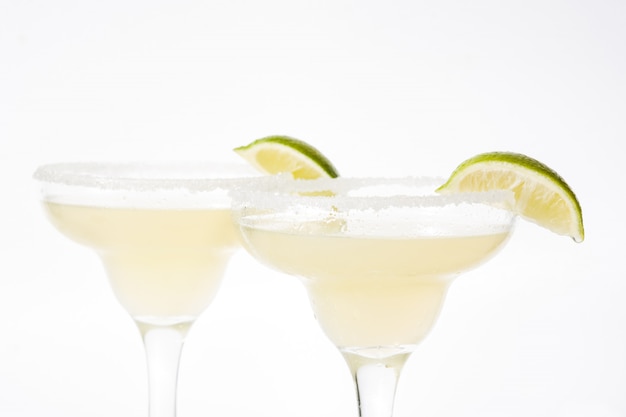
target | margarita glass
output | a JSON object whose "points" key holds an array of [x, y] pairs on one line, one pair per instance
{"points": [[376, 257], [164, 233]]}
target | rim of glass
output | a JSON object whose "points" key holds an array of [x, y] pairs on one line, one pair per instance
{"points": [[144, 175], [281, 192], [149, 184]]}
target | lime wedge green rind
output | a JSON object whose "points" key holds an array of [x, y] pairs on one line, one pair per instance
{"points": [[523, 167], [305, 150]]}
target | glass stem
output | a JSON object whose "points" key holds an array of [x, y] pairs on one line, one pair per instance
{"points": [[376, 380], [163, 345]]}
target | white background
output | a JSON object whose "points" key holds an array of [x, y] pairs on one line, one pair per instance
{"points": [[382, 87]]}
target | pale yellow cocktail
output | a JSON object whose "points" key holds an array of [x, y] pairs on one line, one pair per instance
{"points": [[164, 233], [373, 292], [376, 256], [164, 265]]}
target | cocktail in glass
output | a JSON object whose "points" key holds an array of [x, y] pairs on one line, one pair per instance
{"points": [[164, 233], [376, 257]]}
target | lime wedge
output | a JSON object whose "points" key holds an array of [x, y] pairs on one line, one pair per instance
{"points": [[541, 195], [283, 154]]}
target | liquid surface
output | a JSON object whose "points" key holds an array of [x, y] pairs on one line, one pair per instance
{"points": [[164, 265]]}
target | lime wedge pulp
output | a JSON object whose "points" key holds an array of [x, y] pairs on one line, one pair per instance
{"points": [[283, 154], [541, 195]]}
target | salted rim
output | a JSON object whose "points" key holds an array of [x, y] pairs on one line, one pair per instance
{"points": [[145, 176], [152, 185], [276, 192]]}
